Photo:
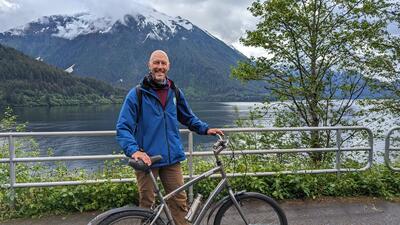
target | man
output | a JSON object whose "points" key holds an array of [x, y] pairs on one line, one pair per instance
{"points": [[154, 130]]}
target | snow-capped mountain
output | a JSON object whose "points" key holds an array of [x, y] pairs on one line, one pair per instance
{"points": [[117, 48], [70, 27]]}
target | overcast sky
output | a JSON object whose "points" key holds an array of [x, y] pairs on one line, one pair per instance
{"points": [[225, 19]]}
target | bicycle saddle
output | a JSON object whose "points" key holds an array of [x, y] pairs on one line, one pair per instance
{"points": [[140, 165]]}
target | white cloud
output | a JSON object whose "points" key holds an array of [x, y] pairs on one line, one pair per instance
{"points": [[29, 10], [250, 51], [113, 8], [6, 6]]}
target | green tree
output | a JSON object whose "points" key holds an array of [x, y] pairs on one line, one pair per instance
{"points": [[389, 67], [318, 54], [8, 122]]}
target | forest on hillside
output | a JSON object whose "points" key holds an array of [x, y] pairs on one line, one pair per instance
{"points": [[25, 81]]}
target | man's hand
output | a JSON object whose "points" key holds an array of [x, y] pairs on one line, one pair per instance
{"points": [[143, 156], [214, 131]]}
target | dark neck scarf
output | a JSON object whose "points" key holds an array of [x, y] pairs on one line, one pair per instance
{"points": [[154, 84]]}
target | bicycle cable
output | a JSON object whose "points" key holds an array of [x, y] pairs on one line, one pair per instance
{"points": [[233, 160]]}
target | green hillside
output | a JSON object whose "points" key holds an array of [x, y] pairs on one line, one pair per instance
{"points": [[25, 81]]}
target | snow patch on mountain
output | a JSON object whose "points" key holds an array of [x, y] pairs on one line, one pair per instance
{"points": [[18, 31], [148, 16], [162, 26], [70, 69], [82, 24]]}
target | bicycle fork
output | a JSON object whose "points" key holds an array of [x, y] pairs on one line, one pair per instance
{"points": [[231, 194], [236, 204]]}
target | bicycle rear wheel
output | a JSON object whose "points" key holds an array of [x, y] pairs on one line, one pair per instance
{"points": [[130, 218], [257, 208]]}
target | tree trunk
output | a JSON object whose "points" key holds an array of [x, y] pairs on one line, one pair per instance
{"points": [[315, 142]]}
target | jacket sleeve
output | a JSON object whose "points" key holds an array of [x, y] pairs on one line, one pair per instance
{"points": [[126, 124], [187, 117]]}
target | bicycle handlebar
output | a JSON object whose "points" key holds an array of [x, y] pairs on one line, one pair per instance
{"points": [[220, 145], [220, 137]]}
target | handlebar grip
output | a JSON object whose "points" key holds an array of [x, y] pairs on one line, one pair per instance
{"points": [[140, 165]]}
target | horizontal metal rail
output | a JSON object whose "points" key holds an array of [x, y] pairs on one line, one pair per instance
{"points": [[389, 149], [13, 160], [64, 158], [127, 180], [203, 153], [182, 131]]}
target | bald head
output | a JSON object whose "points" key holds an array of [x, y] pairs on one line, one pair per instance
{"points": [[158, 53], [159, 65]]}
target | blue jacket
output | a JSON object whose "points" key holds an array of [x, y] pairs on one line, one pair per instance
{"points": [[157, 131]]}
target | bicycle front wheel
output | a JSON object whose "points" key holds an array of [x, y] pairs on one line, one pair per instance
{"points": [[130, 218], [258, 209]]}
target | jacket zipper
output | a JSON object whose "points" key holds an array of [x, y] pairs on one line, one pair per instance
{"points": [[166, 130], [166, 137], [165, 125]]}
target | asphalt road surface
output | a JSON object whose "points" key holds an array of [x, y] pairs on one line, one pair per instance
{"points": [[323, 211]]}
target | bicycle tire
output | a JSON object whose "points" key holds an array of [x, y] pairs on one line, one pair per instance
{"points": [[257, 208], [130, 217]]}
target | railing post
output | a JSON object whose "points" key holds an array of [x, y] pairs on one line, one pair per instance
{"points": [[190, 162], [387, 151], [371, 145], [11, 148], [338, 145]]}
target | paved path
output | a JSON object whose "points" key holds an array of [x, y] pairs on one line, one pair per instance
{"points": [[343, 211], [325, 211]]}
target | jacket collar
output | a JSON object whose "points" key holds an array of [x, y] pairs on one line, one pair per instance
{"points": [[145, 84], [146, 87]]}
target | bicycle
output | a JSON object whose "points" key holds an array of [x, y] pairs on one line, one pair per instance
{"points": [[236, 208]]}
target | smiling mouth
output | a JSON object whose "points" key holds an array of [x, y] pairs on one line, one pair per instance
{"points": [[159, 71]]}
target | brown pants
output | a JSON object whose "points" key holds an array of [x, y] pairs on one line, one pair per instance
{"points": [[171, 178]]}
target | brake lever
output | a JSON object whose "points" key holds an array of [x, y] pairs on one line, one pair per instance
{"points": [[220, 142]]}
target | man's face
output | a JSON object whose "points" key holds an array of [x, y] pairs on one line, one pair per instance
{"points": [[159, 66]]}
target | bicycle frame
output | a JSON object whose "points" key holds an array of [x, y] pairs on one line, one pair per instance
{"points": [[221, 185]]}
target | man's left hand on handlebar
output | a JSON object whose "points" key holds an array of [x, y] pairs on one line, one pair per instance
{"points": [[214, 131]]}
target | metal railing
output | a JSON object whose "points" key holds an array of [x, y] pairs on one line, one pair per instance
{"points": [[389, 148], [12, 160]]}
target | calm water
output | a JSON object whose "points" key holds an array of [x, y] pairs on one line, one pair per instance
{"points": [[96, 118]]}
